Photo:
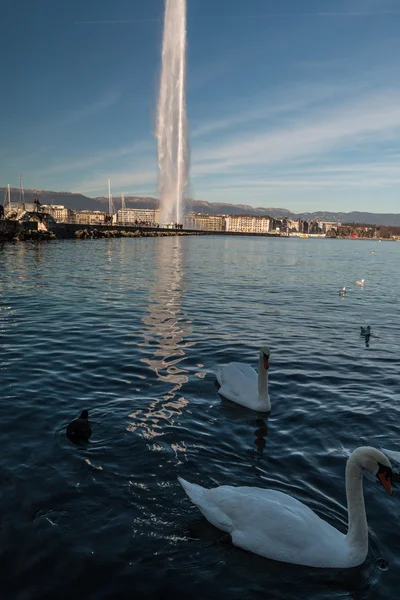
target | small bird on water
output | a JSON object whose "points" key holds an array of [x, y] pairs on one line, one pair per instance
{"points": [[361, 282], [365, 330], [79, 430], [342, 292]]}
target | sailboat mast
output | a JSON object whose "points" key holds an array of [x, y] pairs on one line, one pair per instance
{"points": [[109, 197], [123, 208]]}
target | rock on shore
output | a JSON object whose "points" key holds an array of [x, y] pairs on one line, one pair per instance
{"points": [[116, 233]]}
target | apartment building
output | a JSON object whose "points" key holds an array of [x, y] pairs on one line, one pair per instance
{"points": [[328, 225], [135, 216], [247, 224], [91, 217], [60, 213], [298, 225], [204, 222]]}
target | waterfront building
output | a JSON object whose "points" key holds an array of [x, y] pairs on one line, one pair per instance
{"points": [[138, 216], [328, 225], [91, 217], [297, 226], [247, 223], [204, 222], [60, 213]]}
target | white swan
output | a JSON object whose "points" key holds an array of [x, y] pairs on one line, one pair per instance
{"points": [[361, 282], [392, 454], [277, 526], [241, 384]]}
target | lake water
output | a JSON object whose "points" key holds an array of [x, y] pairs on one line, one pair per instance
{"points": [[133, 330]]}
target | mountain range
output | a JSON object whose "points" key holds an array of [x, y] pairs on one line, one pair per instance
{"points": [[77, 201]]}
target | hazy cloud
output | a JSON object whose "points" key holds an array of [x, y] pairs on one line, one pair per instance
{"points": [[84, 112]]}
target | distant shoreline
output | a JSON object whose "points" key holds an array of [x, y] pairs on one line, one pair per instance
{"points": [[13, 231]]}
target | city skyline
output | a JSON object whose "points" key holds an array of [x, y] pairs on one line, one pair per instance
{"points": [[296, 107]]}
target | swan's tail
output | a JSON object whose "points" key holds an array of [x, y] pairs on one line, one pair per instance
{"points": [[195, 492], [207, 502]]}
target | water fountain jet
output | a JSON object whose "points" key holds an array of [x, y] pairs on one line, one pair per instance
{"points": [[172, 129]]}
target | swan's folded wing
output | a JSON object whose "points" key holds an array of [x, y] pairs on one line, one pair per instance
{"points": [[246, 370], [274, 524], [238, 381], [236, 373], [201, 497], [229, 394]]}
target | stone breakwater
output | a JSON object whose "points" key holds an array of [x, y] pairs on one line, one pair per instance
{"points": [[117, 233], [34, 236], [12, 231], [15, 231]]}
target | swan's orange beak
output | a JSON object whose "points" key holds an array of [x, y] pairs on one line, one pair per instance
{"points": [[385, 482], [266, 361]]}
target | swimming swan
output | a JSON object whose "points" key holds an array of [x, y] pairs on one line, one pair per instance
{"points": [[392, 454], [240, 383], [277, 526]]}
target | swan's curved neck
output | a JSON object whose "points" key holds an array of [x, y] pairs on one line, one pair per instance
{"points": [[263, 383], [357, 535]]}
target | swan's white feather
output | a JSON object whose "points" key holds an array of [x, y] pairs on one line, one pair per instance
{"points": [[273, 524], [392, 454], [239, 383]]}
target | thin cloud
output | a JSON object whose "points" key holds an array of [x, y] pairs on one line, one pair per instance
{"points": [[91, 160], [85, 112], [310, 14], [117, 22], [373, 118], [291, 15], [143, 181], [269, 107]]}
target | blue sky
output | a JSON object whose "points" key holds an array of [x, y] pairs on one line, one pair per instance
{"points": [[291, 103]]}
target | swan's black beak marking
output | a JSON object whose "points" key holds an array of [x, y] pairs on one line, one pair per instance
{"points": [[396, 477], [385, 475]]}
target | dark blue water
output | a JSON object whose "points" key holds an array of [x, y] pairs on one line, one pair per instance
{"points": [[133, 330]]}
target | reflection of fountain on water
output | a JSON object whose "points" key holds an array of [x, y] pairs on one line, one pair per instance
{"points": [[166, 328], [166, 325]]}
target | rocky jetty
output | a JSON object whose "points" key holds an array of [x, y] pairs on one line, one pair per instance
{"points": [[84, 234], [12, 231], [34, 236]]}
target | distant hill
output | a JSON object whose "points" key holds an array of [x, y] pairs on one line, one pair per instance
{"points": [[388, 219], [81, 202]]}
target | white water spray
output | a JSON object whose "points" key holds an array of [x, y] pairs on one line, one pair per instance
{"points": [[173, 155]]}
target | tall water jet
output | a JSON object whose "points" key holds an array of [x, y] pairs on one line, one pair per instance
{"points": [[172, 129]]}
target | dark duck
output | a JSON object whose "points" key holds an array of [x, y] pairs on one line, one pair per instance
{"points": [[365, 330], [79, 430]]}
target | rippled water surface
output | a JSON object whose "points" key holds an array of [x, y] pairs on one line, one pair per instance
{"points": [[133, 330]]}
